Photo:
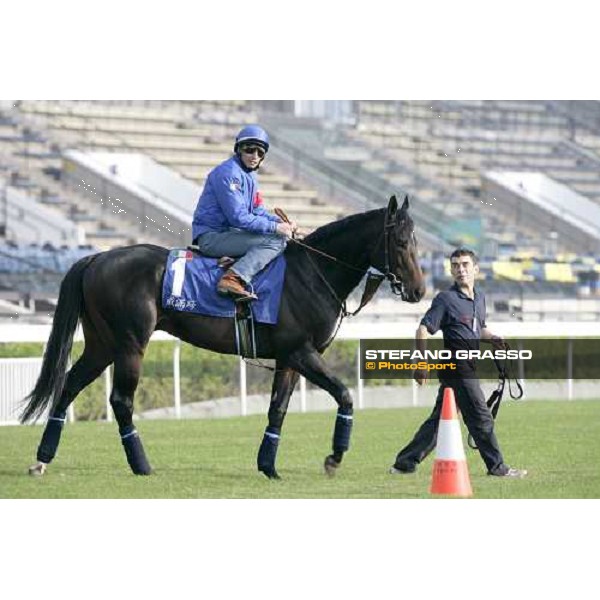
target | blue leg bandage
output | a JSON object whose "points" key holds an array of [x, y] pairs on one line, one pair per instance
{"points": [[51, 437], [342, 431], [134, 450], [268, 450]]}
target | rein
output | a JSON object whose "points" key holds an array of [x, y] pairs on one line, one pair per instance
{"points": [[374, 280], [325, 255], [372, 284]]}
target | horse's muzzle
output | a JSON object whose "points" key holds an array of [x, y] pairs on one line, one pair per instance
{"points": [[414, 295]]}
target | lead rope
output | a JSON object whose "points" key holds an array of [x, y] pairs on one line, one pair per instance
{"points": [[493, 402]]}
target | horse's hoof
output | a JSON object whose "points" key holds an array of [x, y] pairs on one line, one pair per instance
{"points": [[143, 472], [38, 469], [271, 474], [331, 465]]}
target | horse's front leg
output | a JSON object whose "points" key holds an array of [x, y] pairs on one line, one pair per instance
{"points": [[283, 385], [310, 363]]}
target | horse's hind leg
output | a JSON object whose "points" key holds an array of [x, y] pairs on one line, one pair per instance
{"points": [[283, 385], [127, 368], [310, 363], [87, 368]]}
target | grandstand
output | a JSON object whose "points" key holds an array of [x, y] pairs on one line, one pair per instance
{"points": [[30, 275], [66, 186], [189, 138], [448, 147]]}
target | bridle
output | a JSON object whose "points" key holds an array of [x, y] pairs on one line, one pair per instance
{"points": [[396, 285]]}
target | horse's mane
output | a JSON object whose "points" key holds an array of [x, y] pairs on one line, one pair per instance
{"points": [[325, 232]]}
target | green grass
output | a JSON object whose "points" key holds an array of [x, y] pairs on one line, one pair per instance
{"points": [[558, 442]]}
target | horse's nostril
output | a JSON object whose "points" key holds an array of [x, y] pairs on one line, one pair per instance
{"points": [[417, 295]]}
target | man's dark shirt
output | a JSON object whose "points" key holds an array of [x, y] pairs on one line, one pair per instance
{"points": [[461, 320]]}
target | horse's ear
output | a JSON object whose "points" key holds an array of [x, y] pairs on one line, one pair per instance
{"points": [[405, 204], [392, 206]]}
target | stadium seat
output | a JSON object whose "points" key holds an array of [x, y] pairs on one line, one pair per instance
{"points": [[561, 272]]}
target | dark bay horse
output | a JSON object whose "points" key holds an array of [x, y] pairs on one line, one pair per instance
{"points": [[117, 297]]}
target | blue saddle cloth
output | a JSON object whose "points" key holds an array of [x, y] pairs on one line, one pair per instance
{"points": [[190, 285]]}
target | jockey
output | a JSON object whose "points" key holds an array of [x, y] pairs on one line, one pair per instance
{"points": [[230, 219]]}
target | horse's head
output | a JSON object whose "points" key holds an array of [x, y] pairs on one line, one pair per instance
{"points": [[398, 253]]}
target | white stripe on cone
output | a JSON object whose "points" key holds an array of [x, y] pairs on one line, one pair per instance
{"points": [[449, 442]]}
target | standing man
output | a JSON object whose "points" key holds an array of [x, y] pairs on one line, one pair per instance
{"points": [[230, 219], [460, 313]]}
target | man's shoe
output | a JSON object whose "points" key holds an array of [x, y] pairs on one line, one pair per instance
{"points": [[395, 471], [513, 473], [231, 284]]}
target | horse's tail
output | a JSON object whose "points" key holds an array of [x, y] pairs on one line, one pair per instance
{"points": [[51, 381]]}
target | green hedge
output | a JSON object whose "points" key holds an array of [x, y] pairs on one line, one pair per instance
{"points": [[205, 375]]}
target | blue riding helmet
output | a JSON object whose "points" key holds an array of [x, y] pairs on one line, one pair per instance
{"points": [[252, 133]]}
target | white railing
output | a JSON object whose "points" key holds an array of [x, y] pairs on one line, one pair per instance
{"points": [[17, 379], [18, 375]]}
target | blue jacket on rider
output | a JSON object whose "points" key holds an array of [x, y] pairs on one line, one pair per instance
{"points": [[230, 199]]}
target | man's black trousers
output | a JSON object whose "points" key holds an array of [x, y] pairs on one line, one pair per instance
{"points": [[476, 416]]}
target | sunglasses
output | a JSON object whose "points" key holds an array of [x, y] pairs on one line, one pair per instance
{"points": [[252, 150]]}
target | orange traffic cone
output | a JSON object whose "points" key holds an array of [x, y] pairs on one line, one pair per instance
{"points": [[450, 472]]}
